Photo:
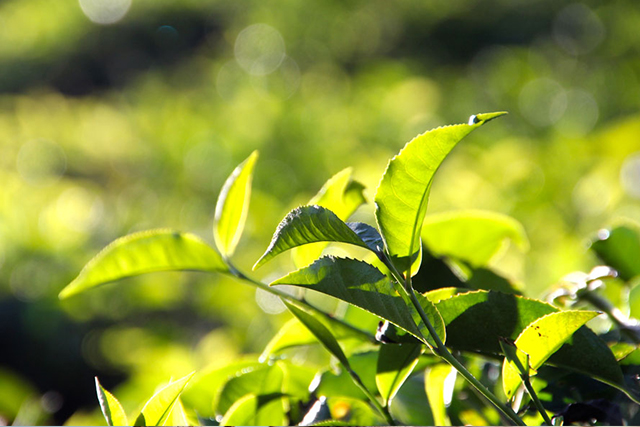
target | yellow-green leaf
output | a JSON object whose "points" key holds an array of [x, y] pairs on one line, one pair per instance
{"points": [[111, 407], [395, 364], [439, 380], [146, 252], [233, 206], [157, 409]]}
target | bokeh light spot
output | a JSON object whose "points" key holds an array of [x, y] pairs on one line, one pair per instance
{"points": [[105, 12], [259, 49], [577, 29], [269, 303], [542, 102]]}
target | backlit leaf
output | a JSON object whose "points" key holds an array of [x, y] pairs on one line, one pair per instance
{"points": [[402, 196], [540, 340], [439, 388], [157, 409], [111, 407], [309, 224], [146, 252], [395, 364], [233, 206], [620, 249], [342, 196], [364, 286], [263, 379], [472, 236]]}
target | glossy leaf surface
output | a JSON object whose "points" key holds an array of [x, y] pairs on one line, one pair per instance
{"points": [[111, 408], [342, 196], [157, 409], [395, 364], [309, 224], [233, 206], [364, 286], [402, 195], [540, 340], [146, 252], [472, 236]]}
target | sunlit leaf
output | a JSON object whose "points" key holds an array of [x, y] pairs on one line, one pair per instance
{"points": [[146, 252], [395, 364], [242, 412], [178, 416], [402, 196], [364, 286], [111, 407], [620, 249], [437, 384], [342, 196], [472, 236], [233, 206], [309, 224], [264, 379], [540, 340], [157, 409], [321, 332]]}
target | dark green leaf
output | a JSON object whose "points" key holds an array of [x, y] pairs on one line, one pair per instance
{"points": [[146, 252], [111, 408], [620, 249], [369, 235], [395, 364], [157, 409], [402, 196], [309, 224], [364, 286], [233, 206]]}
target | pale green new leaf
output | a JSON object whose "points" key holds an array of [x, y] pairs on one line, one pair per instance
{"points": [[146, 252], [242, 412], [471, 235], [395, 364], [157, 409], [436, 385], [321, 332], [364, 286], [342, 196], [233, 206], [111, 407], [309, 224], [541, 339], [402, 196]]}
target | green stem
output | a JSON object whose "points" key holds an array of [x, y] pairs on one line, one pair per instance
{"points": [[383, 410], [625, 325], [536, 401], [298, 302]]}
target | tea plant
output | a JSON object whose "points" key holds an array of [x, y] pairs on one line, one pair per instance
{"points": [[442, 313]]}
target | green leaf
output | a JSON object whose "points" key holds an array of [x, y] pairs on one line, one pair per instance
{"points": [[340, 384], [364, 286], [471, 235], [620, 248], [402, 196], [477, 320], [342, 196], [157, 409], [309, 224], [111, 407], [233, 206], [540, 340], [262, 380], [242, 412], [395, 364], [321, 332], [178, 415], [437, 380], [146, 252]]}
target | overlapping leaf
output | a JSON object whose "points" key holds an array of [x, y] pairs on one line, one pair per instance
{"points": [[364, 286], [395, 364], [540, 340], [157, 409], [233, 206], [309, 224], [402, 196], [146, 252]]}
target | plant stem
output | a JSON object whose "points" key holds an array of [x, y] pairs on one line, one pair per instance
{"points": [[443, 352], [626, 326], [536, 401], [384, 411]]}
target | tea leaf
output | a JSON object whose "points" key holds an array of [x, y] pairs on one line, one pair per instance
{"points": [[233, 206], [395, 364], [402, 195], [157, 409], [435, 384], [146, 252], [111, 407]]}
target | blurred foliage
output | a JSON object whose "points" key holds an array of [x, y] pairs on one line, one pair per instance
{"points": [[117, 123]]}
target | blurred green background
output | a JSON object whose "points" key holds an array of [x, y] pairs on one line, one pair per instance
{"points": [[124, 115]]}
